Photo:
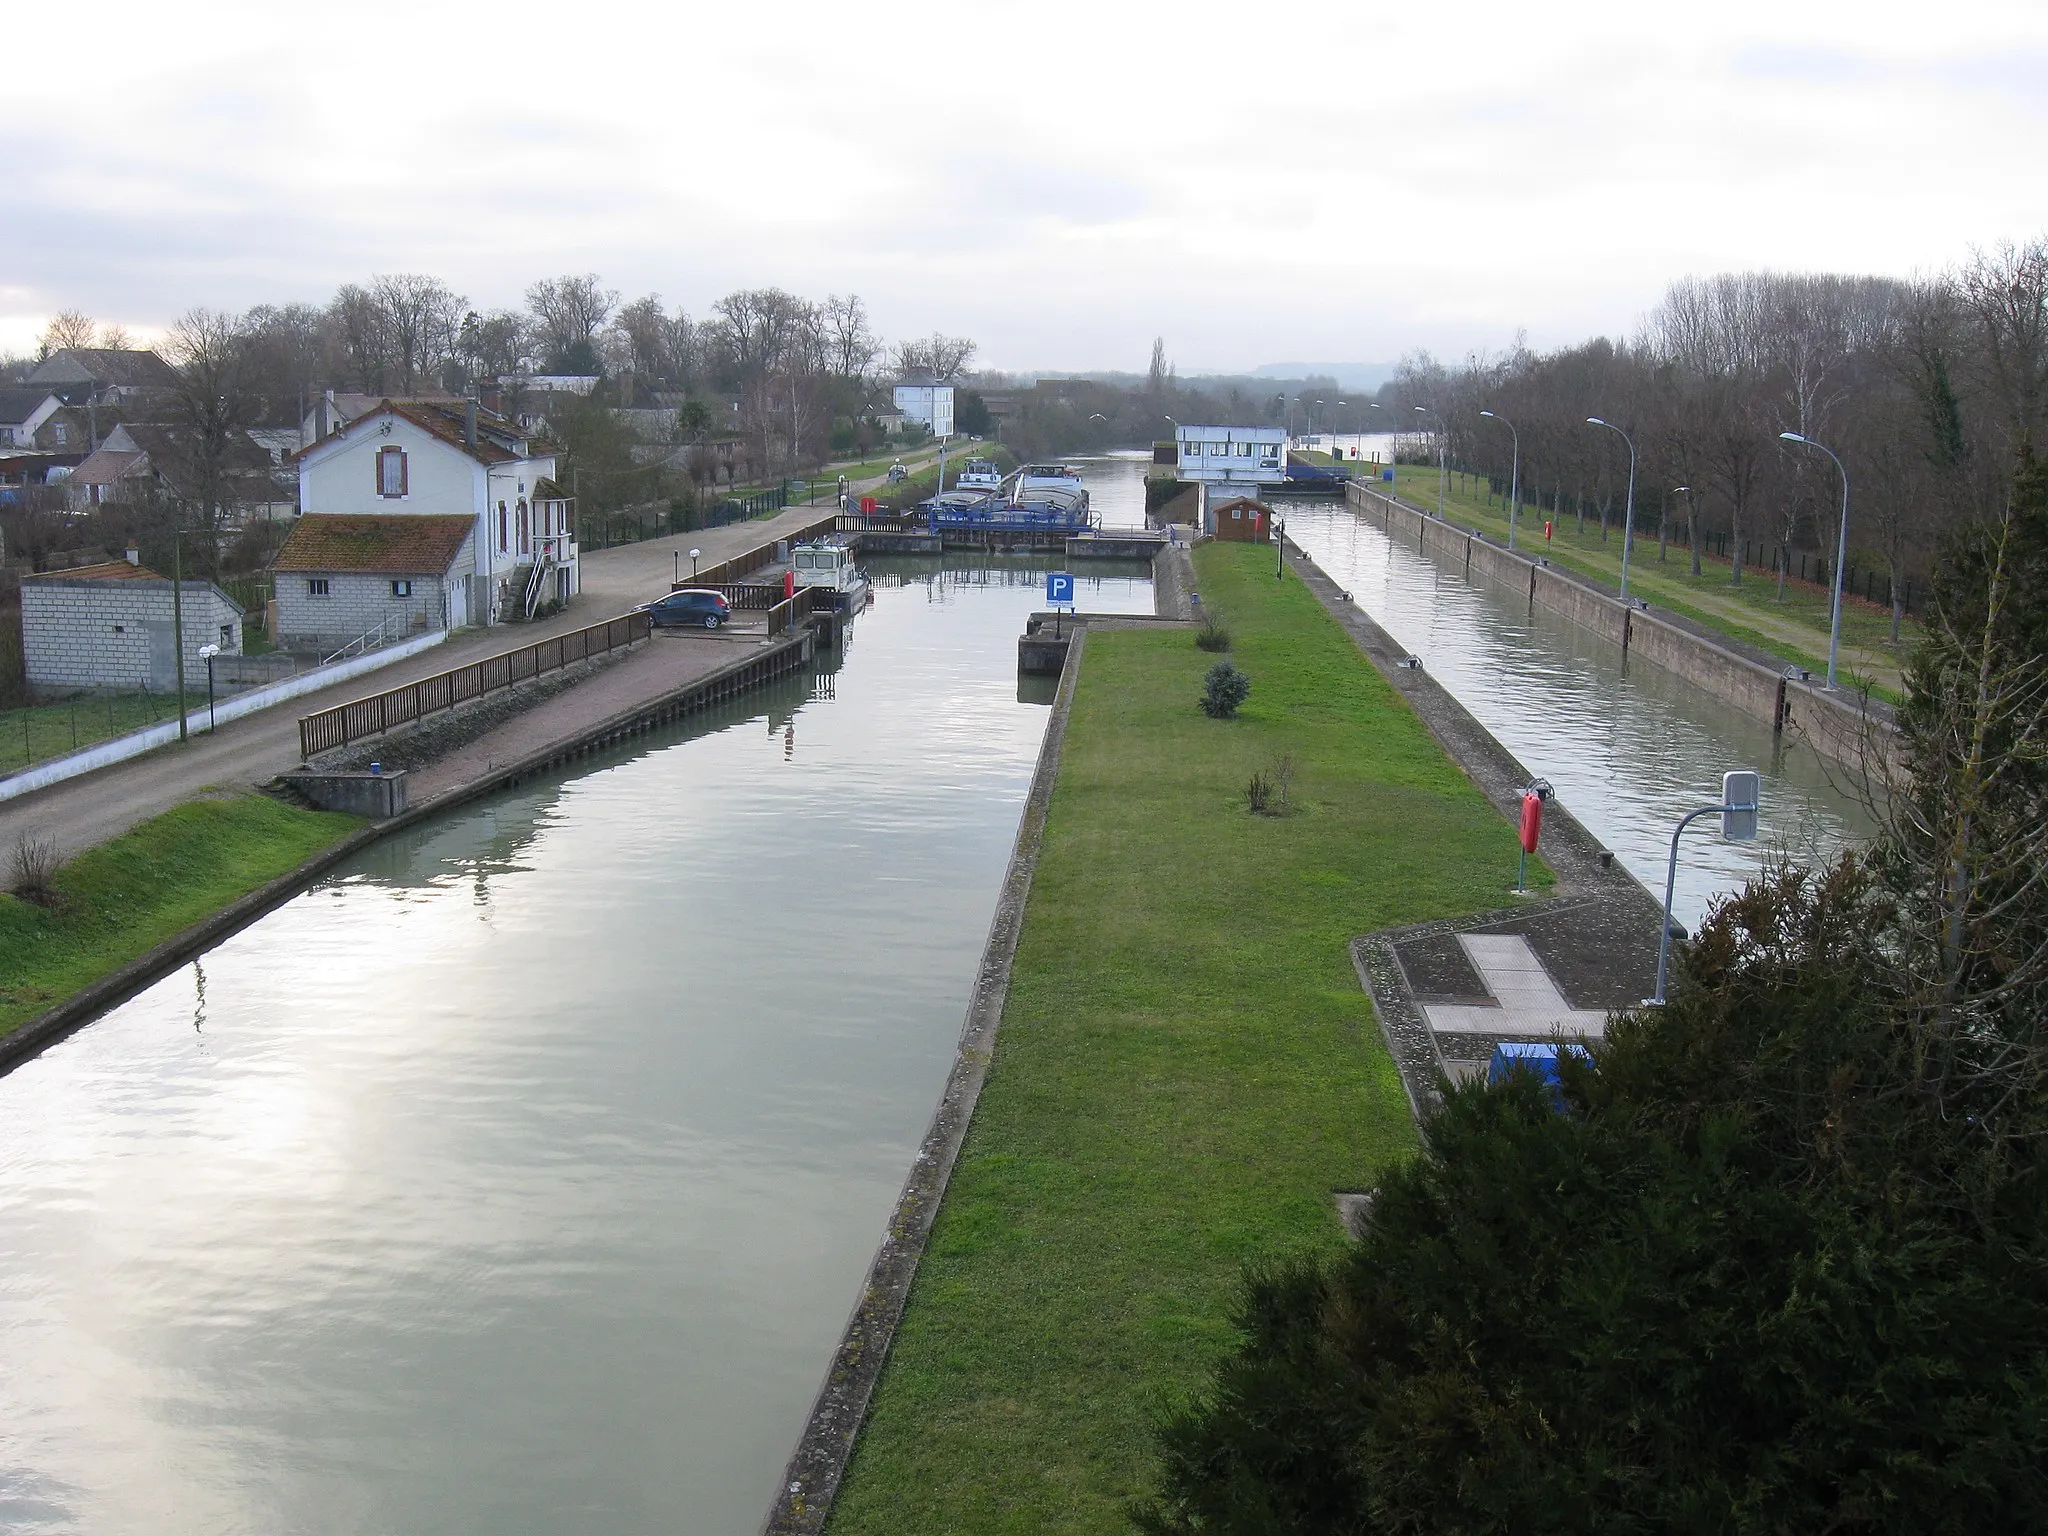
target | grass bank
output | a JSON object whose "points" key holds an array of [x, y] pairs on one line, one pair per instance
{"points": [[120, 900], [1793, 628], [38, 732], [1186, 1067]]}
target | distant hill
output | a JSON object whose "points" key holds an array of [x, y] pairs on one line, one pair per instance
{"points": [[1349, 375]]}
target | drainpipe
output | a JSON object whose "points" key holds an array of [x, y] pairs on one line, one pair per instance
{"points": [[469, 423]]}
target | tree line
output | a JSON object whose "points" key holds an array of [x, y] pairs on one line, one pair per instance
{"points": [[1922, 387]]}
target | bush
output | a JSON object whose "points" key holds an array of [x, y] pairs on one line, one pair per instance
{"points": [[1224, 690], [1212, 636], [32, 870]]}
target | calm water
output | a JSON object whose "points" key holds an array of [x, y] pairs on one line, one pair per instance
{"points": [[1629, 749], [520, 1176]]}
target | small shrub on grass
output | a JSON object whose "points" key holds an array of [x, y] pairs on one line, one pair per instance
{"points": [[32, 870], [1269, 792], [1258, 794], [1212, 637], [1224, 689]]}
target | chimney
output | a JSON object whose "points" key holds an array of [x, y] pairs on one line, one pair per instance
{"points": [[469, 423], [134, 555]]}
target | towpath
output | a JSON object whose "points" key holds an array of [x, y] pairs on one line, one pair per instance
{"points": [[79, 813]]}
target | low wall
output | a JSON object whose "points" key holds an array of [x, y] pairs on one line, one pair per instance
{"points": [[1839, 727]]}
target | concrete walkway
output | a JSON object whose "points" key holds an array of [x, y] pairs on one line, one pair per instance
{"points": [[79, 813]]}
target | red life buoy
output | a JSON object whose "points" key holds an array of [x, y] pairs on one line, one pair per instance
{"points": [[788, 585], [1532, 820]]}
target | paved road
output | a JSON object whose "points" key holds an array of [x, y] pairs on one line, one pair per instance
{"points": [[81, 812]]}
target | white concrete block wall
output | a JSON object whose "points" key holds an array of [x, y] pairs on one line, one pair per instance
{"points": [[355, 604], [101, 634]]}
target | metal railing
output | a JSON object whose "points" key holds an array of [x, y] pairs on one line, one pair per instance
{"points": [[728, 572], [791, 611], [360, 718], [389, 631]]}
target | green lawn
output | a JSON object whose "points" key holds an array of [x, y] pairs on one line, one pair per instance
{"points": [[1793, 628], [123, 898], [43, 731], [1186, 1068]]}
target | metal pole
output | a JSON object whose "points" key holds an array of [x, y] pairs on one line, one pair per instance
{"points": [[1628, 527], [1841, 553], [1670, 886], [1515, 476], [178, 619]]}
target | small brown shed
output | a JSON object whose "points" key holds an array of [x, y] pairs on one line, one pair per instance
{"points": [[1242, 519]]}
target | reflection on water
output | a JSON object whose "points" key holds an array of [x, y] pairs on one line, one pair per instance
{"points": [[1629, 748], [520, 1176]]}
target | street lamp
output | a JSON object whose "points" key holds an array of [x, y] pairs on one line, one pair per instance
{"points": [[1841, 552], [1312, 421], [209, 652], [693, 564], [1515, 475], [1443, 473], [1741, 797], [1664, 519], [1628, 525]]}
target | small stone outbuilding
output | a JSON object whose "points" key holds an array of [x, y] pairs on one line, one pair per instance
{"points": [[113, 626], [341, 577]]}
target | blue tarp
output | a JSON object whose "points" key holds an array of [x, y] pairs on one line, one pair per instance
{"points": [[1539, 1058]]}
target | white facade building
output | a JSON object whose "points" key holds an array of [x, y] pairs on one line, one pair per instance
{"points": [[931, 404], [410, 459], [1247, 457]]}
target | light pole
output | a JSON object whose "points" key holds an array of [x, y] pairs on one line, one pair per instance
{"points": [[1335, 451], [1841, 553], [1515, 474], [1281, 401], [1628, 525], [1443, 473], [1311, 421], [693, 564], [1663, 522], [209, 652], [1741, 797]]}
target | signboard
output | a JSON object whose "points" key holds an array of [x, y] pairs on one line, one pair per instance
{"points": [[1059, 589], [1740, 791]]}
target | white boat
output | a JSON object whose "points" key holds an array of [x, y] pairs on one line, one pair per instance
{"points": [[830, 565], [981, 475], [1049, 485]]}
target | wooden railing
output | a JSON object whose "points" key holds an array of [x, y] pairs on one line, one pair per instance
{"points": [[791, 611], [728, 572], [358, 718]]}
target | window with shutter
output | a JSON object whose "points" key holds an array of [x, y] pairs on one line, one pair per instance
{"points": [[391, 473]]}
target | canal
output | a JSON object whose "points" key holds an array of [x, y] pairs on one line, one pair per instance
{"points": [[520, 1176]]}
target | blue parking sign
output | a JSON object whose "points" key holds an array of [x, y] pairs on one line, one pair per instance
{"points": [[1059, 588]]}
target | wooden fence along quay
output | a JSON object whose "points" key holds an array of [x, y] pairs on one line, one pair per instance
{"points": [[372, 716]]}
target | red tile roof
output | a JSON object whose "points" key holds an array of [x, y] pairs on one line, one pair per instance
{"points": [[108, 570], [384, 544]]}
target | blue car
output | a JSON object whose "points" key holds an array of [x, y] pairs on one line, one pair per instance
{"points": [[693, 606]]}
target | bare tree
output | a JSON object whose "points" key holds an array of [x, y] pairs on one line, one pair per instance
{"points": [[114, 337], [940, 355], [757, 331], [362, 336], [210, 409], [421, 320], [851, 345], [568, 312], [67, 328], [2005, 292]]}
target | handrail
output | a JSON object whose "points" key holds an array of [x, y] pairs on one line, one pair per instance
{"points": [[372, 716], [360, 646]]}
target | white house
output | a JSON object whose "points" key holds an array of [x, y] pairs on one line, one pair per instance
{"points": [[411, 459], [931, 404], [1245, 457], [114, 626]]}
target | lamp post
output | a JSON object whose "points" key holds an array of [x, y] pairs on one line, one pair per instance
{"points": [[1741, 798], [209, 652], [1841, 552], [1514, 476], [1628, 525], [1443, 472], [1663, 522], [693, 564]]}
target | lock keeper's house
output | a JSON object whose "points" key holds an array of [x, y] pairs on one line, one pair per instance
{"points": [[421, 515]]}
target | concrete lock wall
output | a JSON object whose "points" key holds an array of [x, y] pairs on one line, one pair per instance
{"points": [[1837, 727]]}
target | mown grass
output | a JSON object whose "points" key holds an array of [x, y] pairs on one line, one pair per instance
{"points": [[38, 732], [125, 897], [1186, 1069], [1793, 628]]}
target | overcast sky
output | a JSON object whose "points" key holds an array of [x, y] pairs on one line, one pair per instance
{"points": [[1060, 180]]}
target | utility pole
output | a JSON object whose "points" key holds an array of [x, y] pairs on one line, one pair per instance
{"points": [[178, 615]]}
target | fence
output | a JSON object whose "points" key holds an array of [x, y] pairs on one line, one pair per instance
{"points": [[728, 572], [359, 718], [791, 611]]}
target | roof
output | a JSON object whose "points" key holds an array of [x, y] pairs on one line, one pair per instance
{"points": [[106, 366], [498, 441], [103, 466], [107, 570], [17, 405], [396, 544], [1240, 501]]}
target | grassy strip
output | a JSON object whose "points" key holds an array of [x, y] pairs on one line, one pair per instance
{"points": [[120, 900], [1793, 628], [1186, 1069], [39, 732]]}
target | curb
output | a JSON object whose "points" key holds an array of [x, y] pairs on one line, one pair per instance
{"points": [[803, 1501]]}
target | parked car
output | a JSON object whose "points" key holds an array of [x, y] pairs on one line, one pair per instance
{"points": [[693, 606]]}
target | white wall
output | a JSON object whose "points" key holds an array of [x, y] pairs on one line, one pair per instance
{"points": [[341, 474]]}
